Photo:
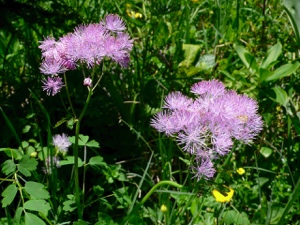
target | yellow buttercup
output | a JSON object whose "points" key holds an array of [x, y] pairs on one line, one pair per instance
{"points": [[222, 198]]}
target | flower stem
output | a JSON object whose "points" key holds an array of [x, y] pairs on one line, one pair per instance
{"points": [[152, 190], [76, 173], [161, 183]]}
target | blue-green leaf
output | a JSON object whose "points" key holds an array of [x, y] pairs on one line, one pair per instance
{"points": [[8, 167], [38, 205], [70, 161], [36, 190], [8, 195], [97, 160], [233, 217], [15, 153], [93, 143], [26, 165], [31, 219]]}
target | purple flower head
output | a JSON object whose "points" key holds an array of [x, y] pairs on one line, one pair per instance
{"points": [[211, 89], [89, 45], [176, 100], [163, 122], [52, 67], [114, 23], [206, 126], [239, 113], [61, 142], [221, 142], [124, 62], [193, 139], [52, 85], [205, 170], [86, 44], [48, 43]]}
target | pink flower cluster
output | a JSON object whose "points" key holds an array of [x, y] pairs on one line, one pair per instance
{"points": [[87, 44], [207, 125]]}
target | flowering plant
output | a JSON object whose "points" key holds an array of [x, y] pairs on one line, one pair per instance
{"points": [[87, 46], [206, 126]]}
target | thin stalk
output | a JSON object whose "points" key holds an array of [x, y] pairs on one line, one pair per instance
{"points": [[76, 175], [161, 183], [84, 176], [68, 94], [147, 196]]}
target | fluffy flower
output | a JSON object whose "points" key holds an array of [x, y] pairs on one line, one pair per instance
{"points": [[61, 142], [52, 67], [213, 88], [206, 126], [88, 44], [177, 101], [205, 170], [114, 23], [52, 85]]}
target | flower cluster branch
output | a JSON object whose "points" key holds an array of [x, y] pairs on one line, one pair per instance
{"points": [[87, 45]]}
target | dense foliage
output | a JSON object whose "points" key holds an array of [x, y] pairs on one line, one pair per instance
{"points": [[121, 170]]}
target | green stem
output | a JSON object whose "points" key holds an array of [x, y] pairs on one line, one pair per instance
{"points": [[76, 173], [152, 190], [161, 183]]}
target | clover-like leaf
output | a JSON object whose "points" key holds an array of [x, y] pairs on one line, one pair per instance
{"points": [[31, 219], [36, 190], [82, 140], [8, 167], [38, 205], [70, 161], [10, 152], [93, 143], [8, 195], [26, 165], [97, 160]]}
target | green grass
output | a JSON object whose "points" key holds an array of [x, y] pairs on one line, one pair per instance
{"points": [[251, 46]]}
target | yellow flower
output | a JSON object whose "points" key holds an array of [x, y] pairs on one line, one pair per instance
{"points": [[240, 171], [163, 208], [133, 14], [220, 197]]}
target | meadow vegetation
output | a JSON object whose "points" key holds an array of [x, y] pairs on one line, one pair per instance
{"points": [[90, 152]]}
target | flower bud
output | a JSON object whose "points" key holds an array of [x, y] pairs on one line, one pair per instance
{"points": [[33, 154], [163, 208], [87, 82]]}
